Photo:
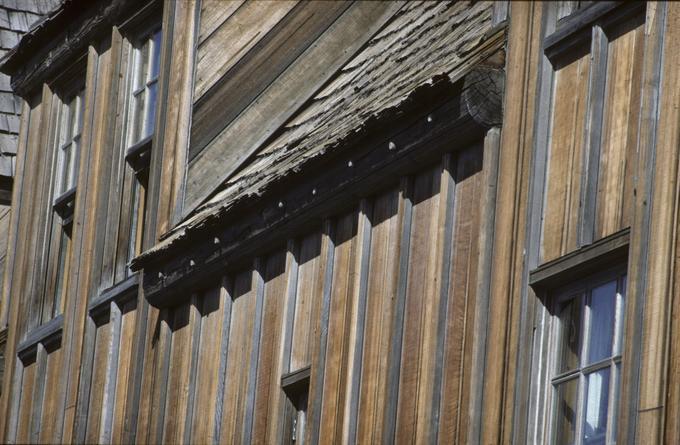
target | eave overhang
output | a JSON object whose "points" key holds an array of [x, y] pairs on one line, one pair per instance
{"points": [[438, 117]]}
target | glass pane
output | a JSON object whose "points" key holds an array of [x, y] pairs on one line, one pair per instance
{"points": [[570, 334], [132, 243], [80, 110], [138, 114], [150, 110], [72, 111], [63, 124], [61, 265], [144, 68], [602, 312], [73, 168], [620, 313], [596, 405], [156, 55], [567, 397], [64, 168]]}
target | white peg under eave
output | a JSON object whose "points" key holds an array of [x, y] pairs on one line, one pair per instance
{"points": [[391, 146]]}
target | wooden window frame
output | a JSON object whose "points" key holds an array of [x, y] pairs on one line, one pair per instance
{"points": [[578, 270]]}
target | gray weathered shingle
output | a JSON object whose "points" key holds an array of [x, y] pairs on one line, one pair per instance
{"points": [[16, 17]]}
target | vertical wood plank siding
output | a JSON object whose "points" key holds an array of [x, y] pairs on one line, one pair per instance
{"points": [[275, 319], [213, 366]]}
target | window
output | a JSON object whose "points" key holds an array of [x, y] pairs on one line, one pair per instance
{"points": [[144, 70], [586, 359], [296, 387], [68, 125]]}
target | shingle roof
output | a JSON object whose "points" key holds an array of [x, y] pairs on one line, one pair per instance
{"points": [[16, 18], [422, 42]]}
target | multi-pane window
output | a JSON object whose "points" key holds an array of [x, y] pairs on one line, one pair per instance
{"points": [[144, 70], [70, 125], [67, 140], [587, 360]]}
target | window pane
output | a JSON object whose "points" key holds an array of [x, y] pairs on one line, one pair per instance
{"points": [[80, 111], [138, 114], [597, 401], [620, 311], [64, 168], [64, 124], [156, 55], [567, 397], [61, 275], [570, 335], [150, 110], [602, 311]]}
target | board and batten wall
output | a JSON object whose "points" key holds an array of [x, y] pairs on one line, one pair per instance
{"points": [[379, 301]]}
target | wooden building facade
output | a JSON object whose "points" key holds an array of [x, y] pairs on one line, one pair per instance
{"points": [[345, 222]]}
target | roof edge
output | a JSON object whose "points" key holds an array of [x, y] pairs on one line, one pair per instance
{"points": [[53, 41]]}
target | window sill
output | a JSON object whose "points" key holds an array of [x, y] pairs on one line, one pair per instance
{"points": [[293, 382], [64, 205], [139, 155], [49, 334], [119, 293]]}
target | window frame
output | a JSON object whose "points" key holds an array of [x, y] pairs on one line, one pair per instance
{"points": [[592, 263], [581, 289]]}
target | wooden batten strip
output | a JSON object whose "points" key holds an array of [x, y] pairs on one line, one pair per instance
{"points": [[259, 271], [80, 422], [196, 322], [593, 135], [447, 216], [135, 380], [639, 249], [354, 377], [525, 400], [165, 349], [291, 299], [109, 399], [226, 298], [390, 413], [316, 400], [38, 394], [655, 397], [13, 418], [292, 270], [492, 144]]}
